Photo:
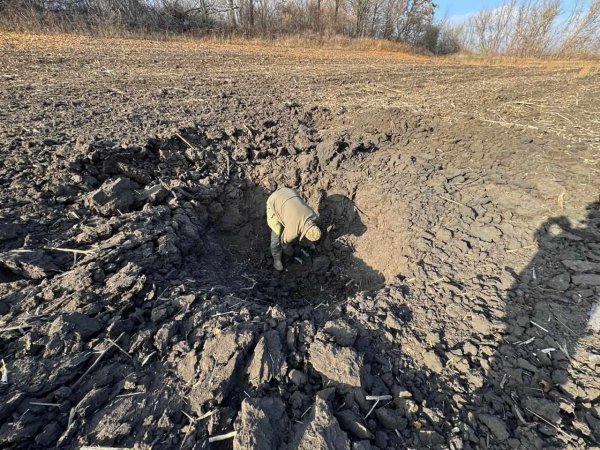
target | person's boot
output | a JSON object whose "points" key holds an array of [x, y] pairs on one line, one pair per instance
{"points": [[277, 263], [288, 250]]}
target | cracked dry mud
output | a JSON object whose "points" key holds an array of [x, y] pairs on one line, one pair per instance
{"points": [[139, 308]]}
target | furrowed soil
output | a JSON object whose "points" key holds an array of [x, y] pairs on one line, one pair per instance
{"points": [[452, 302]]}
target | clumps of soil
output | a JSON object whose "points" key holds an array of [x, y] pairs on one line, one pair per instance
{"points": [[139, 306]]}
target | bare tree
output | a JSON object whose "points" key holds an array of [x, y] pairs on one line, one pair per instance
{"points": [[360, 9], [414, 17], [582, 29], [534, 28], [390, 19]]}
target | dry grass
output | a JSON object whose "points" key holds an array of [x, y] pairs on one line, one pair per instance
{"points": [[551, 62], [315, 46], [588, 71], [324, 47], [325, 42]]}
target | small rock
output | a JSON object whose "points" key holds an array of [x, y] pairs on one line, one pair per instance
{"points": [[155, 194], [85, 326], [261, 424], [582, 427], [581, 266], [433, 362], [92, 401], [429, 438], [361, 445], [186, 367], [470, 349], [593, 359], [353, 423], [524, 364], [114, 196], [219, 366], [338, 364], [267, 361], [326, 394], [297, 377], [341, 331], [49, 434], [444, 235], [321, 264], [486, 233], [571, 389], [496, 426], [390, 419], [129, 277], [434, 415], [322, 431], [588, 279], [545, 408], [560, 282], [32, 264]]}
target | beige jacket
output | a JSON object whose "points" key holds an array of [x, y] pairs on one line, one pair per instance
{"points": [[292, 212]]}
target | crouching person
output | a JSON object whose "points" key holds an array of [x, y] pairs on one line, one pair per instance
{"points": [[290, 219]]}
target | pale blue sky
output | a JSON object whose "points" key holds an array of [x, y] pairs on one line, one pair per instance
{"points": [[455, 10]]}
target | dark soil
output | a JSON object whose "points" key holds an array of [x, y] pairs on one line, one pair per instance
{"points": [[456, 280]]}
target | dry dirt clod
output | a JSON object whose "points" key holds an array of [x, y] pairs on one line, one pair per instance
{"points": [[220, 364], [339, 364], [321, 431], [496, 426], [268, 361], [261, 424], [342, 332]]}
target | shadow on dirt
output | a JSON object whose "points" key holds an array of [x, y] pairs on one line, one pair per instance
{"points": [[552, 338], [341, 217], [25, 252], [525, 396]]}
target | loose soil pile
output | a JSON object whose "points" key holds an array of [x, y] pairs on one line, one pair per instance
{"points": [[448, 305]]}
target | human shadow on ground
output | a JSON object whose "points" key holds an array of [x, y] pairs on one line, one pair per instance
{"points": [[543, 381]]}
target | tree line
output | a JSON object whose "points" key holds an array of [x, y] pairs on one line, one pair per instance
{"points": [[401, 20], [516, 27], [532, 28]]}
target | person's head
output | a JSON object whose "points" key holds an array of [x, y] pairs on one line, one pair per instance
{"points": [[313, 233]]}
